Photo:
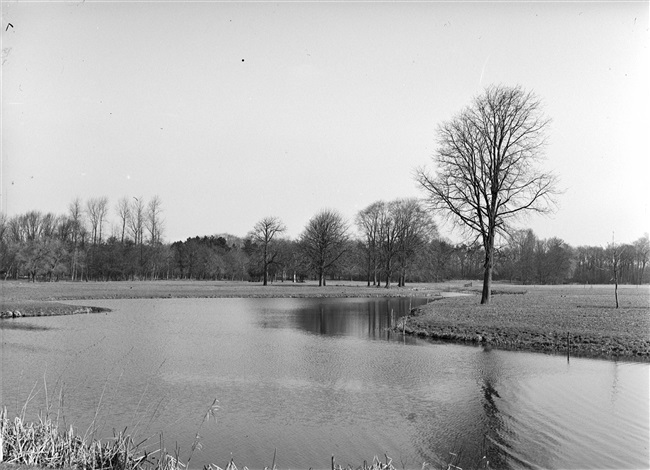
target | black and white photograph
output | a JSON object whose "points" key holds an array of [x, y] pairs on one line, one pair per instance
{"points": [[373, 235]]}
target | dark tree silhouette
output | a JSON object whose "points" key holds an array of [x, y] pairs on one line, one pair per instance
{"points": [[487, 171], [324, 241], [263, 234]]}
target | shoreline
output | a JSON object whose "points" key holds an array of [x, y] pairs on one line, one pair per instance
{"points": [[26, 309], [21, 299], [534, 322], [540, 319]]}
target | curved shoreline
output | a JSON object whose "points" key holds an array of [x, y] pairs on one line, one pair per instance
{"points": [[539, 319], [552, 325], [27, 309], [48, 299], [578, 346]]}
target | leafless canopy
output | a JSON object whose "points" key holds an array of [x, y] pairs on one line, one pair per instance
{"points": [[154, 221], [487, 158], [123, 210], [136, 220], [486, 161], [97, 211], [324, 241], [263, 234], [266, 229]]}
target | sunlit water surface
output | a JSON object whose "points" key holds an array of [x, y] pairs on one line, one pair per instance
{"points": [[314, 378]]}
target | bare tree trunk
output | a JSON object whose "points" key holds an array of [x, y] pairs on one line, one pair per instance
{"points": [[388, 273], [375, 273], [266, 267], [74, 264], [369, 267], [617, 257], [487, 276], [642, 271], [487, 285]]}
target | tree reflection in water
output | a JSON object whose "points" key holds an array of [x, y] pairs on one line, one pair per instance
{"points": [[355, 317], [495, 447]]}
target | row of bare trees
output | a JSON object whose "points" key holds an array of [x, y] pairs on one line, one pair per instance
{"points": [[487, 174], [322, 248], [76, 245], [393, 234], [391, 237], [527, 259], [625, 261], [394, 241]]}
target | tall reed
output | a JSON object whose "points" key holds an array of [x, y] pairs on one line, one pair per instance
{"points": [[46, 443], [43, 444]]}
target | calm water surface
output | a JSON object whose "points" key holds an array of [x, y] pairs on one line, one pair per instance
{"points": [[316, 377]]}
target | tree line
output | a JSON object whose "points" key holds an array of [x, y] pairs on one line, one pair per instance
{"points": [[487, 176], [386, 243], [83, 244]]}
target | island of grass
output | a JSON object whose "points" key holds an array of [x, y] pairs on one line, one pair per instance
{"points": [[548, 319]]}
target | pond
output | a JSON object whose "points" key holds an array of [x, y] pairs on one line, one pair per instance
{"points": [[314, 378]]}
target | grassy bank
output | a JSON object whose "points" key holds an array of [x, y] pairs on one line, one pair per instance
{"points": [[545, 319]]}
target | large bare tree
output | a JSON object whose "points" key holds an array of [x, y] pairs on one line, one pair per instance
{"points": [[487, 167], [263, 234], [324, 241]]}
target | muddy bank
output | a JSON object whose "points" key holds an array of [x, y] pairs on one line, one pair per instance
{"points": [[579, 319]]}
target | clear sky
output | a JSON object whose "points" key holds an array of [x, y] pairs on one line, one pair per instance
{"points": [[231, 112]]}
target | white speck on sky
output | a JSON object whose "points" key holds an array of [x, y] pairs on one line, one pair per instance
{"points": [[231, 112]]}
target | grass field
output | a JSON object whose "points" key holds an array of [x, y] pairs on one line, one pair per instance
{"points": [[536, 318], [544, 318], [16, 291]]}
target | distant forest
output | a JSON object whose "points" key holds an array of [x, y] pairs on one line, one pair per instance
{"points": [[388, 242]]}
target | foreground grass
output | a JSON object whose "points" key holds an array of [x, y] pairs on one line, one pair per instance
{"points": [[545, 319], [43, 445]]}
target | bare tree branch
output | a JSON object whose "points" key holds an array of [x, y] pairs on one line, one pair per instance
{"points": [[487, 167]]}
